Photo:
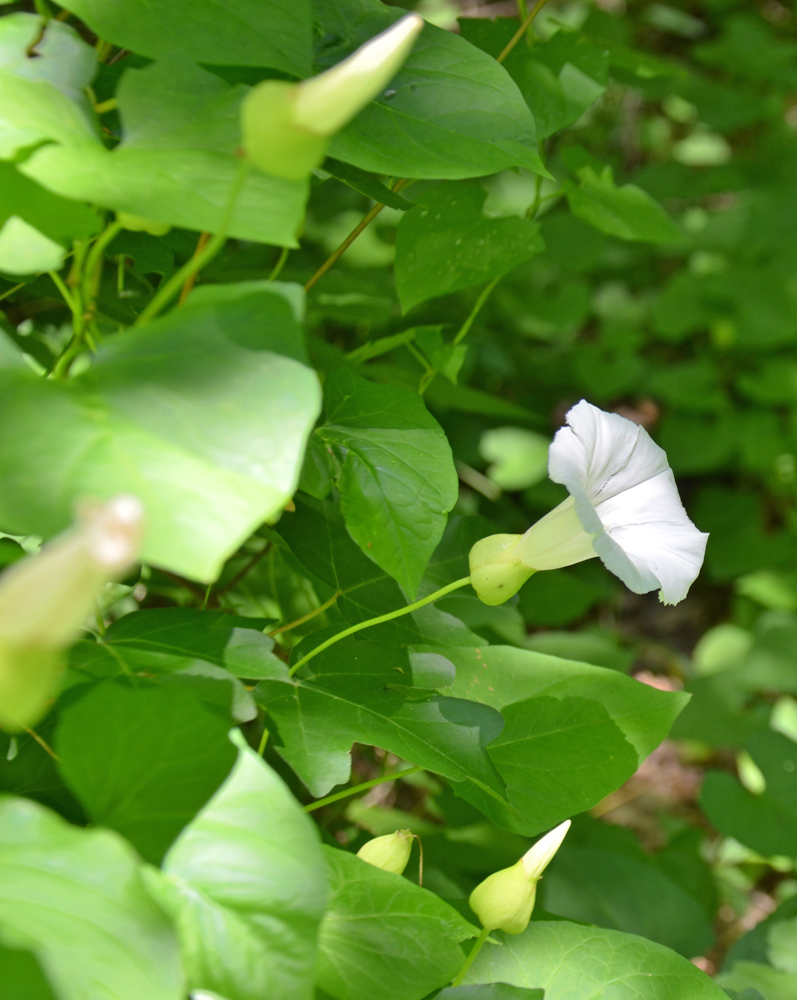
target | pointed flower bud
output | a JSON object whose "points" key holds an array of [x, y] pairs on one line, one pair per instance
{"points": [[623, 507], [504, 901], [286, 126], [390, 853], [45, 598]]}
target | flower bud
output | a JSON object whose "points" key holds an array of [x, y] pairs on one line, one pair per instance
{"points": [[286, 126], [390, 853], [45, 598], [495, 573], [504, 901]]}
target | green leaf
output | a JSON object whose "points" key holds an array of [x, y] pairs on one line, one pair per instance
{"points": [[177, 161], [489, 991], [381, 929], [27, 769], [766, 823], [317, 537], [627, 212], [42, 95], [450, 112], [24, 250], [363, 692], [519, 456], [559, 715], [446, 244], [246, 886], [143, 760], [398, 480], [58, 218], [75, 899], [176, 413], [570, 961], [559, 78], [273, 33], [21, 976], [164, 637], [759, 982]]}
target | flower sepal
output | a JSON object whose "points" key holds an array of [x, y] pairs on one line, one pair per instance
{"points": [[496, 574]]}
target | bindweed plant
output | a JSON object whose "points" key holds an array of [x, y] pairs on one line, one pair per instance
{"points": [[279, 282]]}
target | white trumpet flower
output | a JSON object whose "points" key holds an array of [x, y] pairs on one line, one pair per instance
{"points": [[623, 507]]}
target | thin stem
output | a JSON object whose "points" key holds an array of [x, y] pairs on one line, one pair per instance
{"points": [[207, 596], [306, 618], [477, 947], [59, 283], [167, 292], [11, 291], [190, 281], [477, 307], [42, 743], [335, 256], [378, 621], [110, 105], [262, 745], [243, 572], [92, 269], [361, 788], [522, 29], [280, 264]]}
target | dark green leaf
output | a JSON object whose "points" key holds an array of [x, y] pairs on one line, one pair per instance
{"points": [[175, 413], [245, 884], [398, 480], [155, 639], [767, 823], [614, 891], [317, 537], [142, 761], [363, 692], [446, 244], [76, 899], [381, 929], [21, 976], [273, 33]]}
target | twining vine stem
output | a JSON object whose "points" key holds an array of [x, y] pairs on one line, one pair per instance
{"points": [[378, 621], [361, 788]]}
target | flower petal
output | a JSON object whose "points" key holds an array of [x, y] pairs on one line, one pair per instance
{"points": [[649, 541], [603, 453]]}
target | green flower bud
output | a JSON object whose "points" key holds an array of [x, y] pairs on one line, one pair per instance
{"points": [[286, 126], [390, 853], [504, 900], [45, 598], [495, 574]]}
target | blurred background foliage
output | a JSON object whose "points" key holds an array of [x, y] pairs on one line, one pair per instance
{"points": [[684, 322]]}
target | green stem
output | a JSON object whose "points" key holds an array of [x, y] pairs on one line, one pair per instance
{"points": [[361, 788], [91, 269], [280, 264], [477, 947], [477, 308], [522, 29], [172, 287], [378, 621]]}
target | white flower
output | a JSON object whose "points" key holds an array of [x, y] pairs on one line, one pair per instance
{"points": [[623, 507]]}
